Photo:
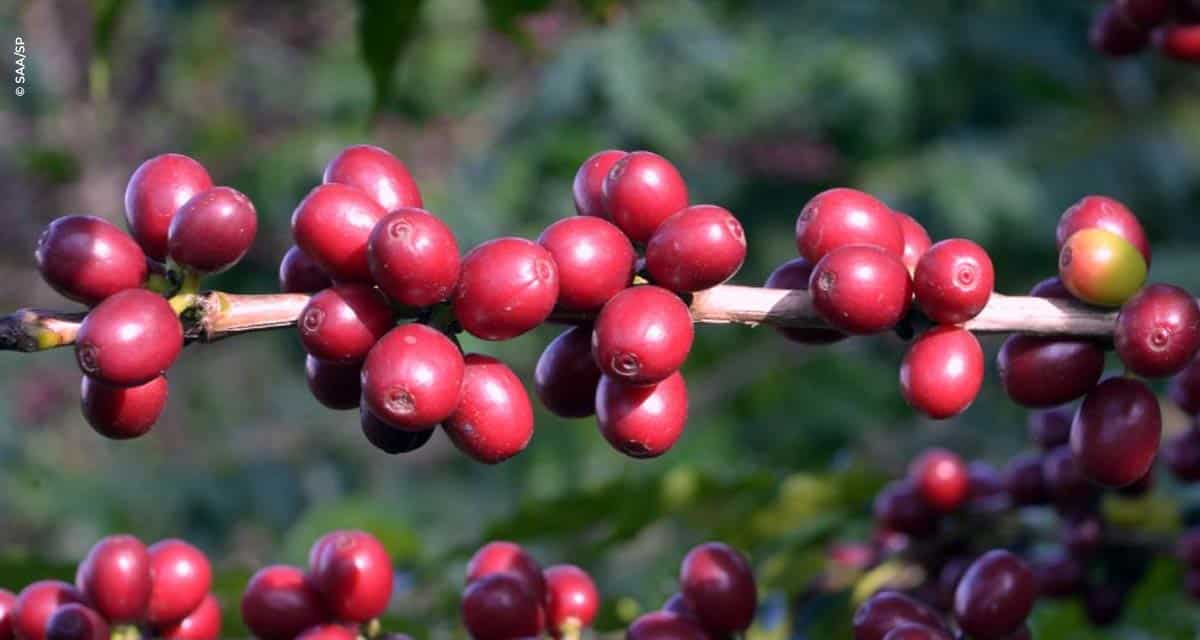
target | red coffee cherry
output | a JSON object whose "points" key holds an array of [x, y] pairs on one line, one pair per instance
{"points": [[941, 478], [942, 372], [412, 377], [642, 421], [377, 173], [1116, 432], [1185, 388], [1024, 480], [8, 601], [916, 240], [500, 606], [642, 335], [1115, 35], [181, 577], [115, 578], [203, 623], [279, 603], [36, 603], [155, 192], [1182, 455], [389, 439], [641, 191], [1158, 331], [1050, 428], [1180, 42], [588, 188], [212, 231], [414, 257], [129, 339], [1101, 268], [571, 598], [695, 249], [841, 217], [595, 261], [566, 376], [507, 287], [332, 225], [298, 273], [494, 419], [887, 610], [718, 584], [861, 289], [954, 281], [75, 621], [335, 385], [342, 323], [121, 413], [1066, 485], [502, 556], [794, 274], [900, 507], [665, 625], [995, 596], [328, 632], [1147, 13], [1102, 212], [87, 259], [353, 573], [1043, 372]]}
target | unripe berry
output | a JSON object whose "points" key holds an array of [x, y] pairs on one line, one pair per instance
{"points": [[115, 578], [88, 259], [842, 217], [941, 478], [353, 573], [414, 257], [155, 192], [122, 412], [298, 273], [588, 188], [953, 281], [377, 173], [696, 248], [212, 231], [1158, 331], [494, 418], [794, 274], [507, 287], [595, 261], [279, 603], [129, 339], [1116, 432], [566, 375], [861, 289], [718, 584], [641, 191], [181, 577], [203, 623], [1101, 268], [1102, 212], [642, 421], [642, 335], [332, 225], [942, 372], [343, 322]]}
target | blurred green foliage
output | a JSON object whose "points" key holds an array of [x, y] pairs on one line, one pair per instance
{"points": [[982, 118]]}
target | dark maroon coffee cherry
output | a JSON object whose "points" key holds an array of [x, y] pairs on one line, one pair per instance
{"points": [[129, 339], [1158, 331], [665, 625], [1059, 576], [500, 606], [377, 173], [887, 610], [1115, 35], [1191, 583], [718, 584], [389, 439], [1116, 432], [1051, 287], [942, 372], [953, 281], [595, 261], [842, 217], [1066, 484], [75, 621], [794, 274], [916, 240], [985, 487], [87, 259], [181, 577], [507, 287], [213, 231], [412, 379], [414, 258], [155, 192], [121, 413], [678, 605], [115, 578], [900, 507], [641, 190], [279, 603], [36, 603], [494, 418], [589, 183], [947, 580], [1187, 549], [343, 322], [1102, 212], [909, 631], [566, 376], [203, 623], [502, 556], [571, 598], [336, 385], [332, 225], [1104, 604], [353, 573], [1185, 388], [642, 335], [697, 248], [1050, 428], [1083, 535], [642, 421], [941, 478], [298, 273], [861, 289], [1182, 455], [1041, 372], [1147, 13], [995, 596], [1024, 479]]}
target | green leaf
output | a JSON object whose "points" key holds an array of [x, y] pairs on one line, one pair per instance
{"points": [[385, 28]]}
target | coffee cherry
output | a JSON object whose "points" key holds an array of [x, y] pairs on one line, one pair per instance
{"points": [[335, 385], [678, 605], [342, 323], [1104, 604], [642, 335], [995, 595], [1179, 42], [129, 339], [501, 556], [1187, 548], [353, 573], [1050, 428], [718, 584], [566, 375], [909, 631], [1115, 35], [842, 217], [1147, 13], [115, 578], [641, 191], [328, 632], [642, 421], [1158, 331], [212, 231], [1083, 534], [941, 478], [87, 259], [1052, 287], [916, 240], [181, 577], [595, 261], [1182, 455], [1059, 576], [8, 601], [588, 188], [695, 249], [75, 621], [507, 287], [500, 606], [279, 603], [203, 623], [1041, 372], [665, 625], [899, 506], [861, 289], [1102, 212], [571, 598], [389, 439], [794, 274], [1139, 487], [494, 418], [1116, 432], [377, 173], [36, 603], [942, 372], [414, 257], [1066, 484], [121, 413], [985, 487], [1024, 479], [412, 377], [953, 281], [1101, 268], [332, 225], [887, 610], [298, 273], [155, 192], [1185, 388]]}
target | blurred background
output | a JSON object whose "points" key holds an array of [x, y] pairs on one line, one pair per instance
{"points": [[981, 118]]}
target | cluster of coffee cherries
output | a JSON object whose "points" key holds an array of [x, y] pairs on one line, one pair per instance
{"points": [[1126, 27], [347, 587], [717, 598], [371, 256], [508, 595], [122, 590], [182, 228]]}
